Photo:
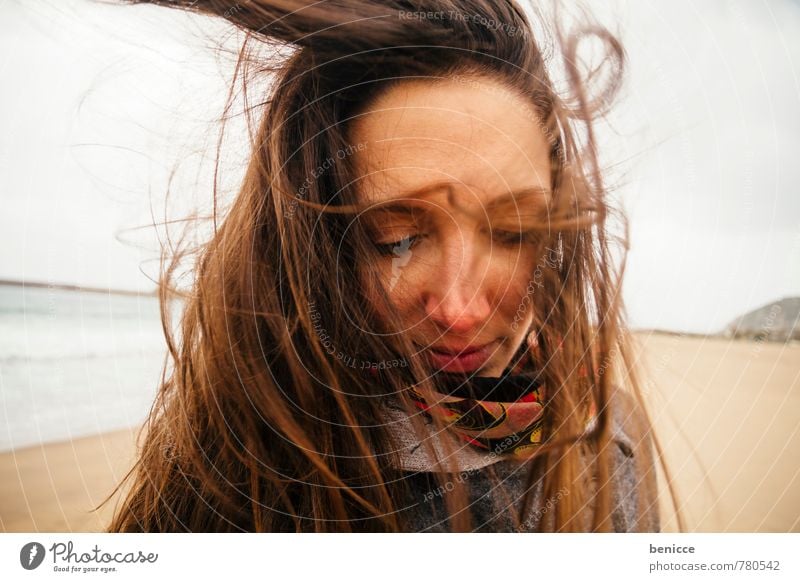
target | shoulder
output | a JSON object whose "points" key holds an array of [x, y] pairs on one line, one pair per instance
{"points": [[633, 468], [629, 424]]}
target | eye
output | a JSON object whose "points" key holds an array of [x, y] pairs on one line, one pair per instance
{"points": [[510, 238], [398, 247]]}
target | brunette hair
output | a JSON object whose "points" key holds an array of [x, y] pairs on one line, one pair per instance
{"points": [[257, 425]]}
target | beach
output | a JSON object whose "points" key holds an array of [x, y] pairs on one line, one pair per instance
{"points": [[53, 487], [727, 413]]}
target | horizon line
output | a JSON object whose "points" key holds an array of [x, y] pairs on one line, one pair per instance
{"points": [[74, 287]]}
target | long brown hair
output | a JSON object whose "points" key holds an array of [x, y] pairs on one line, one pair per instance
{"points": [[262, 423]]}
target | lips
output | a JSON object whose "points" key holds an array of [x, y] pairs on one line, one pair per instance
{"points": [[467, 358]]}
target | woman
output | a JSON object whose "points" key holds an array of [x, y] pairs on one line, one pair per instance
{"points": [[408, 319]]}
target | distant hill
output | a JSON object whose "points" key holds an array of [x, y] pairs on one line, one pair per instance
{"points": [[778, 321]]}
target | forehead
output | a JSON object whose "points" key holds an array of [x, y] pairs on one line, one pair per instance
{"points": [[471, 132]]}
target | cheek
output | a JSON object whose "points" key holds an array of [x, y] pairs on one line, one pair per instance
{"points": [[402, 284], [512, 281], [403, 281]]}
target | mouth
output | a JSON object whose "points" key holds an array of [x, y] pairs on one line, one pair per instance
{"points": [[466, 359]]}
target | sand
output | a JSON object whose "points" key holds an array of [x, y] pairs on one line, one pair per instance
{"points": [[727, 414], [53, 487]]}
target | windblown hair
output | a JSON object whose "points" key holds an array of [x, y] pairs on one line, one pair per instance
{"points": [[257, 425]]}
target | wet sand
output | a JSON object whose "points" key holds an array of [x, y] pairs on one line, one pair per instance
{"points": [[727, 414]]}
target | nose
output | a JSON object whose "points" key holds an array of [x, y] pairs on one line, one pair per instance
{"points": [[455, 296]]}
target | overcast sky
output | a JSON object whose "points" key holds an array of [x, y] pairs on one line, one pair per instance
{"points": [[100, 102]]}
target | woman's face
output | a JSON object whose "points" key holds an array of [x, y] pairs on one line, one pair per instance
{"points": [[454, 258]]}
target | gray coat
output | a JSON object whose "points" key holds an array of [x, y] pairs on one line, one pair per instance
{"points": [[425, 510]]}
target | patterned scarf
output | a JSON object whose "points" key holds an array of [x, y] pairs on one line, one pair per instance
{"points": [[501, 415]]}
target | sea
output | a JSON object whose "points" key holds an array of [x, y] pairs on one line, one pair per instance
{"points": [[75, 363]]}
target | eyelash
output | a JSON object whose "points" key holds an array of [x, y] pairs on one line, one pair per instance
{"points": [[506, 237], [512, 238]]}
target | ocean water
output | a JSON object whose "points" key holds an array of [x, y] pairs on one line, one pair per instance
{"points": [[75, 363]]}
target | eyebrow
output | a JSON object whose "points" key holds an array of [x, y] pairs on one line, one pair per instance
{"points": [[406, 202]]}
